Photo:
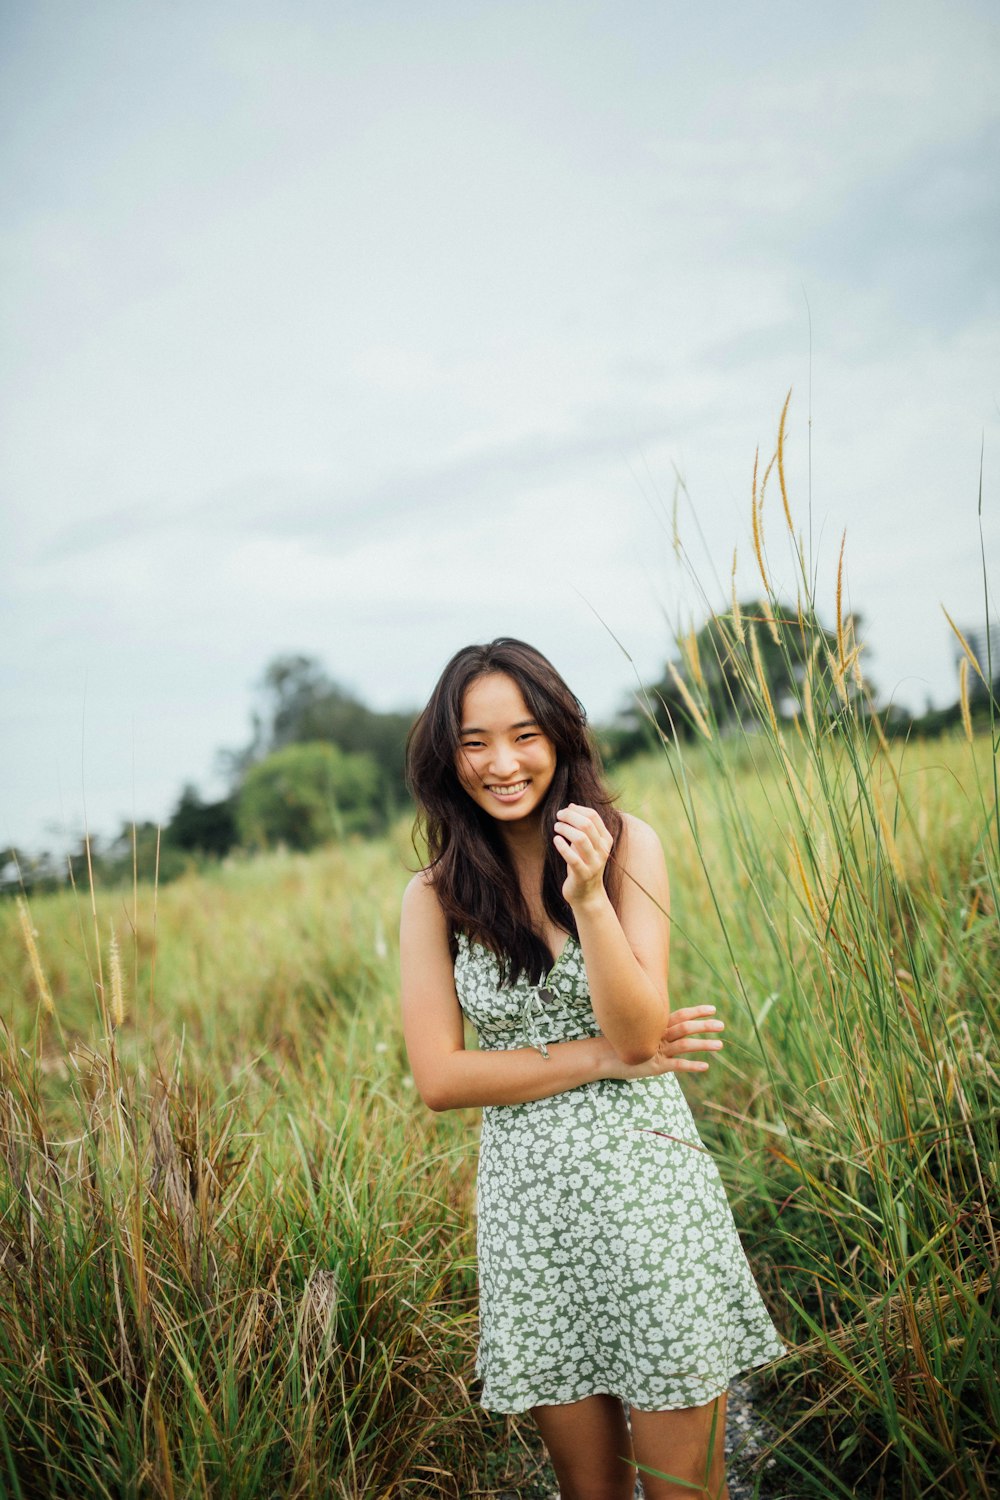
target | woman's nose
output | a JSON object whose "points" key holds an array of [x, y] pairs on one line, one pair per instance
{"points": [[503, 761]]}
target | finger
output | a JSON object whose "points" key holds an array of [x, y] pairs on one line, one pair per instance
{"points": [[583, 817], [695, 1044], [687, 1028], [570, 830], [685, 1065], [593, 858], [580, 834], [586, 838], [577, 809], [583, 846], [569, 854], [688, 1011]]}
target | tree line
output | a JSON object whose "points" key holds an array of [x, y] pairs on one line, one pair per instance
{"points": [[320, 765]]}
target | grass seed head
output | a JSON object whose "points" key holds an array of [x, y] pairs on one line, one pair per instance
{"points": [[693, 657], [696, 714], [781, 462], [117, 990], [758, 667], [963, 694], [837, 673], [970, 654], [756, 507], [737, 615], [856, 671], [38, 973]]}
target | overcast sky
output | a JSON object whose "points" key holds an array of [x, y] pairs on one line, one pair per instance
{"points": [[367, 330]]}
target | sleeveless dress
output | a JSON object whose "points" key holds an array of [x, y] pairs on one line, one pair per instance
{"points": [[608, 1256]]}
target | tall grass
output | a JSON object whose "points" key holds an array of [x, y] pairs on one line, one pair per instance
{"points": [[842, 891], [236, 1253]]}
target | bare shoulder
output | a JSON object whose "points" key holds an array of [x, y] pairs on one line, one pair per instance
{"points": [[644, 899], [421, 907], [641, 846], [645, 868], [419, 887]]}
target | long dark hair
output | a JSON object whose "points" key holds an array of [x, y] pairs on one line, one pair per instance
{"points": [[468, 862]]}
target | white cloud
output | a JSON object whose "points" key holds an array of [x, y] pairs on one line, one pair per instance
{"points": [[368, 334]]}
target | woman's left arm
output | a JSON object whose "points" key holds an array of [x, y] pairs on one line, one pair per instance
{"points": [[626, 954]]}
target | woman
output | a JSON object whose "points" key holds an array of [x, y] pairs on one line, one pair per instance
{"points": [[610, 1270]]}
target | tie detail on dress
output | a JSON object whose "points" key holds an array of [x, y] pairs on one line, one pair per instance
{"points": [[538, 996]]}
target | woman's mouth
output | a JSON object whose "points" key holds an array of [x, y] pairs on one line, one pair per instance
{"points": [[508, 793]]}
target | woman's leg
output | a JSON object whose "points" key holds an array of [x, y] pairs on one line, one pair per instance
{"points": [[678, 1443], [589, 1445]]}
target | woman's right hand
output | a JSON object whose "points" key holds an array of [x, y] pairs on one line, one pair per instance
{"points": [[681, 1038]]}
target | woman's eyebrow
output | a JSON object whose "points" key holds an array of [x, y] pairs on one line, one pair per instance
{"points": [[521, 724]]}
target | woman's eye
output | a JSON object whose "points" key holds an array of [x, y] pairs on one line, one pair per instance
{"points": [[527, 736], [472, 745]]}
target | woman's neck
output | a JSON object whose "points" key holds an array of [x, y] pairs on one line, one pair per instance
{"points": [[525, 847]]}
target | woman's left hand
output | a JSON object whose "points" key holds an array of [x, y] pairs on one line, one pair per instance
{"points": [[585, 844]]}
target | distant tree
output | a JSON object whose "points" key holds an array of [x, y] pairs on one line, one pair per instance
{"points": [[294, 687], [307, 794], [723, 670], [19, 868], [202, 827], [300, 704], [142, 848]]}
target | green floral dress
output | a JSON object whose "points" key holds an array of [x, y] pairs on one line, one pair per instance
{"points": [[608, 1256]]}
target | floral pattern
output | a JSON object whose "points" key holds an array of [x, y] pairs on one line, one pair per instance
{"points": [[608, 1256]]}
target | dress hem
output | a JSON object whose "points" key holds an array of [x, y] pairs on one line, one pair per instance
{"points": [[602, 1390]]}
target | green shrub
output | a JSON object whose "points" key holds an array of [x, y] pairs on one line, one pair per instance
{"points": [[305, 795]]}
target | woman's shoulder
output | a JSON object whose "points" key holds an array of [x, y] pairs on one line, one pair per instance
{"points": [[642, 847], [640, 835], [423, 926], [419, 891], [644, 863], [420, 901]]}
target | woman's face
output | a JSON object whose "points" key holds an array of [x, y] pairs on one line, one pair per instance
{"points": [[503, 760]]}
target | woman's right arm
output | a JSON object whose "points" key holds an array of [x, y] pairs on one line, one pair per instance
{"points": [[449, 1077]]}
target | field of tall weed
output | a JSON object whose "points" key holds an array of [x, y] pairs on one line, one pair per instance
{"points": [[235, 1249], [236, 1252]]}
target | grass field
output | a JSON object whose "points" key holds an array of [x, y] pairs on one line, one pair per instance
{"points": [[237, 1252]]}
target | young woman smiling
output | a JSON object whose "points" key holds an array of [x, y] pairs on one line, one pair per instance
{"points": [[610, 1270]]}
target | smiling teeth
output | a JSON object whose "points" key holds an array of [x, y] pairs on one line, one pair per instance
{"points": [[508, 791]]}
